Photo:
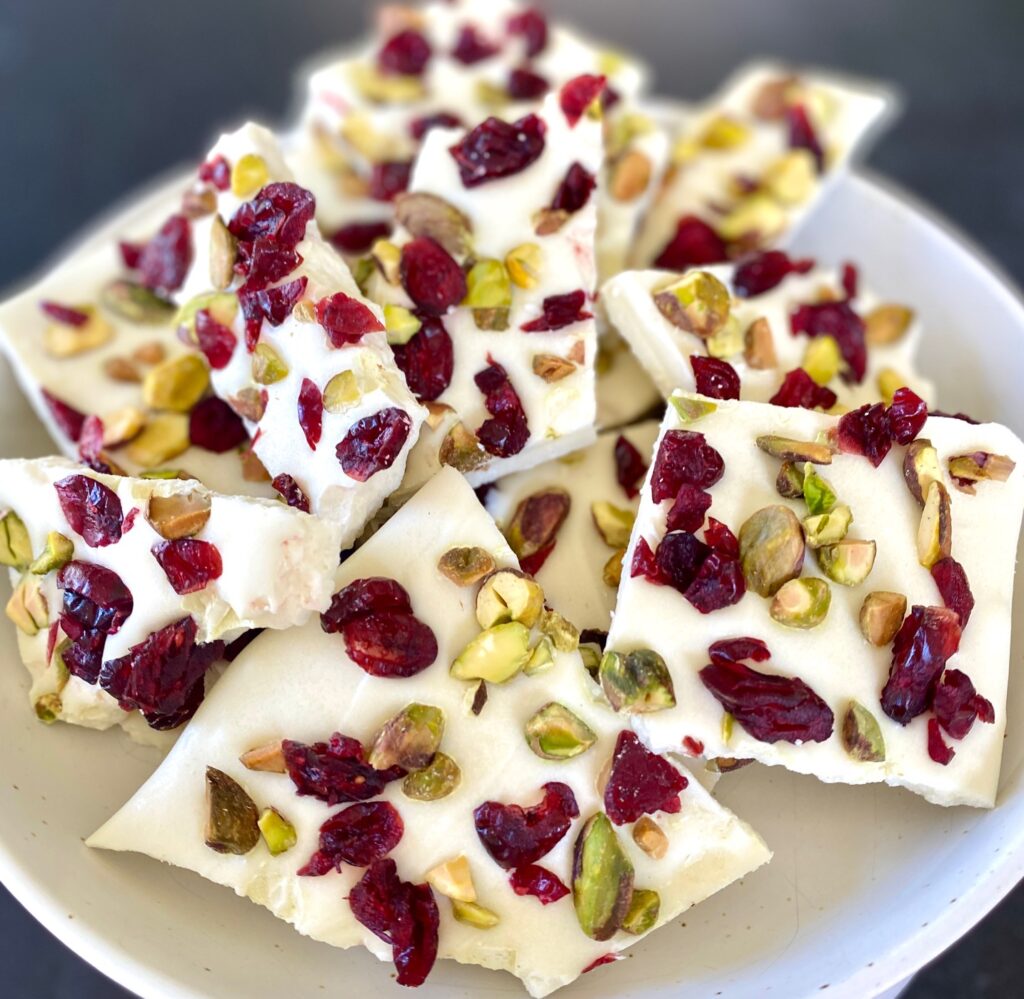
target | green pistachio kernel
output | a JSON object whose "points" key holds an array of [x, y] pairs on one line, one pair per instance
{"points": [[556, 733], [278, 833], [59, 551]]}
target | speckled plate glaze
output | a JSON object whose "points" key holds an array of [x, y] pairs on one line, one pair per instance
{"points": [[867, 884]]}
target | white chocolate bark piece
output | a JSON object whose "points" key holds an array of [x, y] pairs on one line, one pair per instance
{"points": [[502, 216], [311, 358], [665, 348], [275, 570], [834, 658], [737, 169], [625, 392], [573, 573], [707, 846]]}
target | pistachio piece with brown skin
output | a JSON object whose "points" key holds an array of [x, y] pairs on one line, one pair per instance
{"points": [[759, 345], [249, 403], [179, 515], [232, 818], [650, 837], [935, 529], [849, 562], [643, 911], [423, 214], [465, 566], [602, 879], [537, 520], [613, 523], [461, 449], [790, 481], [788, 449], [771, 549], [27, 607], [636, 682], [121, 369], [979, 466], [268, 758], [223, 252], [509, 595], [408, 740], [131, 301], [433, 782], [772, 98], [547, 221], [152, 352], [726, 764], [630, 175], [698, 304], [920, 467], [881, 615], [801, 603], [861, 734], [886, 324], [388, 259], [556, 733], [551, 367]]}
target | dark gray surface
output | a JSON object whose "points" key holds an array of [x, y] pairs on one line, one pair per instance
{"points": [[97, 96]]}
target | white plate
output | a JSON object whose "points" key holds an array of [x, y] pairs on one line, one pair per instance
{"points": [[867, 883]]}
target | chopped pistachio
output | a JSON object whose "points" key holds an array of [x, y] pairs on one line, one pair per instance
{"points": [[602, 879], [756, 215], [636, 682], [232, 818], [176, 384], [547, 221], [524, 263], [121, 369], [222, 306], [64, 340], [278, 833], [727, 341], [509, 595], [817, 492], [935, 529], [613, 523], [792, 177], [58, 551], [27, 606], [453, 879], [862, 737], [724, 132], [473, 914], [253, 470], [759, 345], [433, 782], [726, 764], [488, 286], [691, 410], [15, 544], [886, 324], [849, 562], [881, 615], [697, 304], [461, 449], [643, 911], [437, 413], [167, 474], [401, 325], [388, 259], [889, 380], [801, 603], [630, 175], [542, 655], [179, 515], [223, 251], [408, 740], [822, 359], [164, 437], [341, 392], [268, 758], [611, 571], [136, 303], [423, 214], [268, 366], [465, 566], [771, 549], [551, 367], [556, 733], [920, 468], [248, 175], [790, 481], [624, 128], [828, 528], [650, 837], [48, 708], [495, 655], [979, 466], [152, 352], [793, 450], [564, 635], [537, 520]]}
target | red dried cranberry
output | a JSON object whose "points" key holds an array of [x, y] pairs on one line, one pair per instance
{"points": [[165, 259], [574, 191], [96, 603], [928, 637], [430, 276], [215, 340], [373, 443], [389, 178], [558, 312], [694, 244], [264, 262], [684, 456], [357, 835], [216, 172], [273, 304], [643, 563], [390, 644], [640, 782], [532, 879], [404, 54], [838, 320], [532, 26], [358, 237], [866, 431], [630, 466], [679, 558], [515, 836], [215, 426], [719, 583], [470, 48], [715, 378], [64, 314], [535, 562], [719, 537], [277, 217], [92, 509], [907, 415], [345, 319], [90, 442], [427, 360], [688, 510], [802, 134], [335, 771], [771, 708], [525, 85], [578, 94], [764, 271], [311, 412], [188, 563], [291, 492], [496, 149], [850, 280], [954, 587], [799, 389], [937, 748], [68, 419], [401, 914], [599, 962], [693, 747], [419, 127], [131, 254], [507, 431], [957, 704], [361, 597], [736, 650]]}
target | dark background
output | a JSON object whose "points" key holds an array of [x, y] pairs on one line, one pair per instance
{"points": [[99, 96]]}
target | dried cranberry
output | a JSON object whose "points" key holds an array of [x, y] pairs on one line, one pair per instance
{"points": [[268, 228], [515, 836], [188, 563], [164, 261], [431, 277], [470, 48], [850, 280], [90, 443], [866, 431], [291, 492], [928, 637], [217, 172], [361, 597], [764, 271], [389, 179], [736, 650], [215, 426], [771, 708], [419, 127], [390, 644], [64, 314], [839, 321], [599, 962], [630, 466], [96, 603], [907, 415], [131, 254], [496, 149], [937, 748], [507, 431], [373, 443], [559, 311], [719, 537], [273, 304], [215, 340], [643, 563], [693, 747], [719, 583], [684, 456], [525, 85], [532, 26], [68, 419], [688, 510], [401, 914], [404, 54], [345, 319], [640, 782], [578, 94], [92, 509], [954, 587], [535, 562], [532, 879], [679, 558], [335, 771], [357, 835], [799, 389], [264, 262], [574, 190], [311, 412], [694, 244], [427, 360], [957, 704], [715, 378], [358, 237], [802, 134]]}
